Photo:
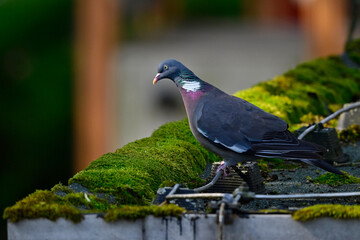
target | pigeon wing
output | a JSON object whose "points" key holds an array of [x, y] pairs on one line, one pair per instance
{"points": [[237, 124], [242, 127]]}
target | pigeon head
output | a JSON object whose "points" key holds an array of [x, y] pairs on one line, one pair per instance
{"points": [[179, 74], [169, 69]]}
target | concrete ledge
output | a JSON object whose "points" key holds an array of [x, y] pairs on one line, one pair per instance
{"points": [[189, 227]]}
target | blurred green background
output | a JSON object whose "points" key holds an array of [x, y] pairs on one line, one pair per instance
{"points": [[35, 97]]}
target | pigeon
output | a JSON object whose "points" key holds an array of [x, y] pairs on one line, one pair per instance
{"points": [[233, 128]]}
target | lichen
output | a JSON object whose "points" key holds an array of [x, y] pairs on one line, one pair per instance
{"points": [[336, 211], [135, 212], [350, 135], [335, 179]]}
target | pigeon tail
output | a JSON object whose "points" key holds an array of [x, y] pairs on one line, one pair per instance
{"points": [[304, 157], [322, 164], [304, 151]]}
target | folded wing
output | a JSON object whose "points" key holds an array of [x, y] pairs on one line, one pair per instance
{"points": [[240, 126]]}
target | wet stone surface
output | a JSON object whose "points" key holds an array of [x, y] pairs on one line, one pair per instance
{"points": [[353, 150], [300, 181]]}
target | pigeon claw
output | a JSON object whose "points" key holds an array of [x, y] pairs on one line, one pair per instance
{"points": [[223, 167]]}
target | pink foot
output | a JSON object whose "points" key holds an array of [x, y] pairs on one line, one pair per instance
{"points": [[224, 168]]}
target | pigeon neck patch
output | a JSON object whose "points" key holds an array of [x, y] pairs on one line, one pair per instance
{"points": [[189, 82], [190, 86]]}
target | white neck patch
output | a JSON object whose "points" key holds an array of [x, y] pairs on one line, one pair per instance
{"points": [[191, 86]]}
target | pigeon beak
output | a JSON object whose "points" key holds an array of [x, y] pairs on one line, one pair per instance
{"points": [[156, 78]]}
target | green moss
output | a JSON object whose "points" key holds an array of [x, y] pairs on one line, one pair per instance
{"points": [[167, 183], [42, 204], [327, 210], [180, 130], [89, 201], [62, 188], [270, 164], [46, 204], [311, 118], [134, 173], [336, 180], [316, 87], [274, 211], [135, 212], [129, 186], [350, 135]]}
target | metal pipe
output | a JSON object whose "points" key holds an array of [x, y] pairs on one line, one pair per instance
{"points": [[174, 189], [263, 196], [195, 195], [221, 220], [210, 184], [308, 195]]}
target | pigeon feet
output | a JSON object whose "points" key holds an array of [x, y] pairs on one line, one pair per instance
{"points": [[223, 167]]}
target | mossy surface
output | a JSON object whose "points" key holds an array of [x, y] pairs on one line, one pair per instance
{"points": [[88, 201], [180, 130], [270, 164], [274, 211], [46, 204], [61, 188], [316, 87], [42, 204], [327, 210], [135, 212], [133, 173], [335, 179], [350, 135], [310, 118]]}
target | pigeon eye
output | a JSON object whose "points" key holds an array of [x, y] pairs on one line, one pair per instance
{"points": [[166, 67]]}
